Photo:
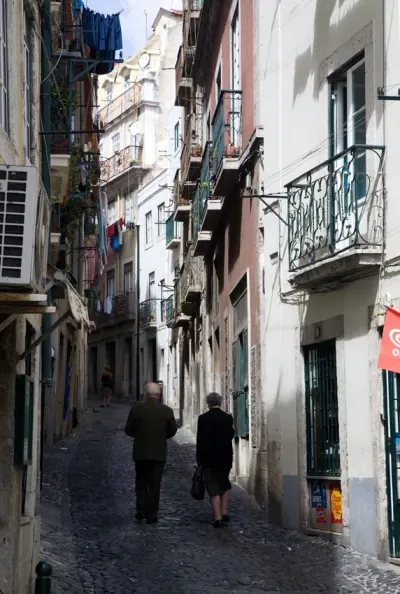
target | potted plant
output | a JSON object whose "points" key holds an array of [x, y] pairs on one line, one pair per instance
{"points": [[196, 150]]}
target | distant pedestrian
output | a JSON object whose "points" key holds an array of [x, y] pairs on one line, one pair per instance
{"points": [[215, 455], [106, 387], [151, 424]]}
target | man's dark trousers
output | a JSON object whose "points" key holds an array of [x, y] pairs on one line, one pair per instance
{"points": [[148, 486]]}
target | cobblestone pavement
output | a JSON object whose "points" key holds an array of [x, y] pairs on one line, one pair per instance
{"points": [[90, 537]]}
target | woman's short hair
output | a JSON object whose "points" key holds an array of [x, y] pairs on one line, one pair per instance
{"points": [[214, 399]]}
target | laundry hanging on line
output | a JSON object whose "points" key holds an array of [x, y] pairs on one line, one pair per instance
{"points": [[103, 34]]}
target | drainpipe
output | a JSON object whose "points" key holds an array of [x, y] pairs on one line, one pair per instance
{"points": [[137, 311], [46, 156]]}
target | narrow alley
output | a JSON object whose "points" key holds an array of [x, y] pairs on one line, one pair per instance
{"points": [[90, 537]]}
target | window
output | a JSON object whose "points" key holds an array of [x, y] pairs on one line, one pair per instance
{"points": [[163, 298], [235, 52], [161, 220], [152, 285], [128, 208], [322, 417], [348, 124], [111, 283], [27, 84], [218, 83], [115, 143], [128, 277], [101, 150], [126, 82], [149, 227], [109, 95], [3, 67], [111, 214], [176, 136]]}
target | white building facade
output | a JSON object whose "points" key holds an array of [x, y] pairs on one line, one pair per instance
{"points": [[135, 103], [330, 267]]}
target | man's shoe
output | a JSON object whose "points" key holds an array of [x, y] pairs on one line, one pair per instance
{"points": [[226, 518], [153, 520], [218, 524]]}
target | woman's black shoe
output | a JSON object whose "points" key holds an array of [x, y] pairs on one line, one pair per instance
{"points": [[226, 518], [218, 524]]}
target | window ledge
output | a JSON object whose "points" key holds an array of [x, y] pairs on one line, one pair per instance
{"points": [[323, 478]]}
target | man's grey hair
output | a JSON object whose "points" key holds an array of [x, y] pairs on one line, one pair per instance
{"points": [[152, 389], [214, 399]]}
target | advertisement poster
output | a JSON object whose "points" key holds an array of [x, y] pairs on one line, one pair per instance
{"points": [[318, 495], [320, 515], [389, 354], [335, 495]]}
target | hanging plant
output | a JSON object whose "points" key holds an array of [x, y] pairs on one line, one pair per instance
{"points": [[73, 211], [62, 102]]}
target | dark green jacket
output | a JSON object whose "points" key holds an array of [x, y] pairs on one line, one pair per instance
{"points": [[150, 423]]}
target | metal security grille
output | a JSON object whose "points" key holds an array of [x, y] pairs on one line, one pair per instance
{"points": [[391, 393], [323, 457]]}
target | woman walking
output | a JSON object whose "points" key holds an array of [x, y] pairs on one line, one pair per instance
{"points": [[106, 387], [215, 455]]}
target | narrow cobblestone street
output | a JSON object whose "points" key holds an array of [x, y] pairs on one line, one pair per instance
{"points": [[90, 537]]}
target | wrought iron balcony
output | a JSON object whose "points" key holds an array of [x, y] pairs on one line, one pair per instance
{"points": [[148, 313], [113, 310], [183, 80], [129, 158], [124, 103], [182, 205], [172, 233], [191, 155], [227, 138], [190, 283], [336, 217]]}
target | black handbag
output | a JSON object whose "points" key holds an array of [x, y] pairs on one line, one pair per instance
{"points": [[198, 488]]}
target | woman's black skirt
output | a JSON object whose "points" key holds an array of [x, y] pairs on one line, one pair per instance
{"points": [[216, 481]]}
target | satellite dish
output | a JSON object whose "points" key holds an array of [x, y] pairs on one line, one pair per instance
{"points": [[144, 60]]}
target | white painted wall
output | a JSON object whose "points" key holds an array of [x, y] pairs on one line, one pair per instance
{"points": [[303, 44]]}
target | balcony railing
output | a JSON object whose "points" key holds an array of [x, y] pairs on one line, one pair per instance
{"points": [[336, 206], [191, 277], [127, 101], [130, 157], [191, 146], [171, 230], [148, 313], [113, 310], [183, 80], [227, 128], [169, 309]]}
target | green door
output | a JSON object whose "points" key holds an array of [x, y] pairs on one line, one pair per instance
{"points": [[241, 385], [391, 391]]}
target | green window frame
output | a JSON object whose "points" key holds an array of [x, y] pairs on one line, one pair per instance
{"points": [[23, 420], [322, 411]]}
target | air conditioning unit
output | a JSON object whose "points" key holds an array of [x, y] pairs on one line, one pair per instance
{"points": [[24, 229]]}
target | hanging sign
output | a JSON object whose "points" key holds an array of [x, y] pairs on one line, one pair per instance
{"points": [[389, 355]]}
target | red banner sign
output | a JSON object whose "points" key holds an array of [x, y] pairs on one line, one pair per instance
{"points": [[389, 355]]}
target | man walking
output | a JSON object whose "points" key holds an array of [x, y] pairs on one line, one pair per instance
{"points": [[150, 423]]}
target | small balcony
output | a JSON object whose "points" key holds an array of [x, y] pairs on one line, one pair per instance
{"points": [[129, 159], [183, 80], [191, 21], [148, 314], [172, 234], [191, 156], [336, 218], [182, 205], [210, 206], [113, 310], [173, 317], [227, 138], [126, 103], [190, 284]]}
